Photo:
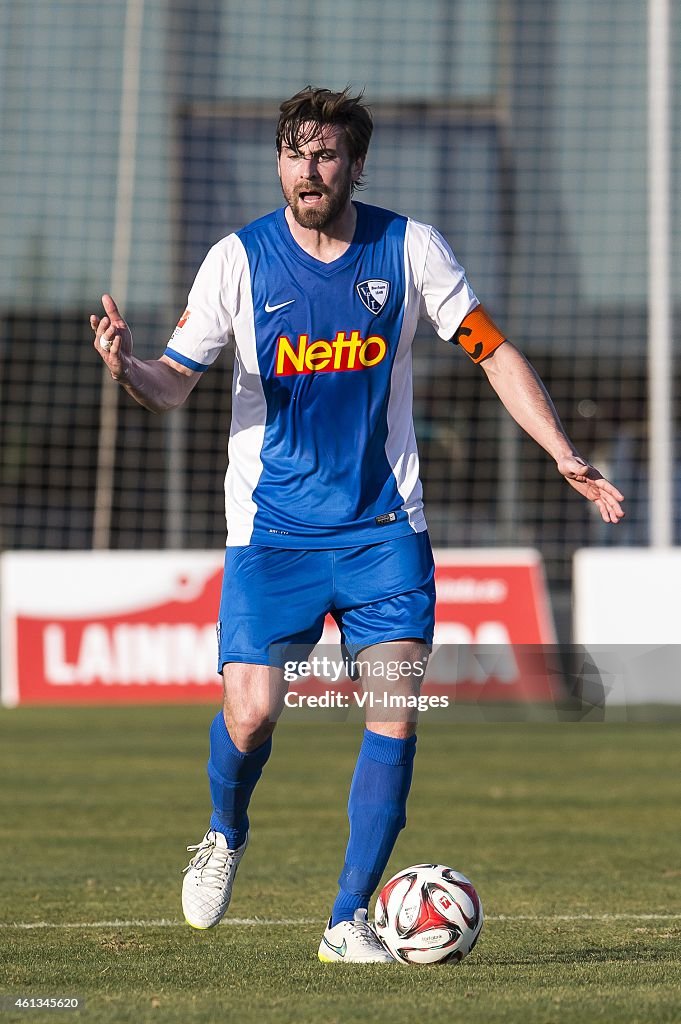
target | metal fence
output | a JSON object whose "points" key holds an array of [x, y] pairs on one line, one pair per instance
{"points": [[541, 137]]}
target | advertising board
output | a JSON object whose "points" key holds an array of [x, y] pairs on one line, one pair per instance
{"points": [[126, 627]]}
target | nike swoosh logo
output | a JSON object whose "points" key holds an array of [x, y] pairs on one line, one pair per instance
{"points": [[341, 950], [272, 309]]}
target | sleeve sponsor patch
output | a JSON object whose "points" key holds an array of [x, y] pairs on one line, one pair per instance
{"points": [[478, 335], [180, 324]]}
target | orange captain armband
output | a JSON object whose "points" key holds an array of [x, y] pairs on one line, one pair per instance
{"points": [[478, 335]]}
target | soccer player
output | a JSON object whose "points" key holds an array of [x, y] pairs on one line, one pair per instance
{"points": [[323, 500]]}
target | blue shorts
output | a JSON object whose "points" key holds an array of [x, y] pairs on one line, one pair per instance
{"points": [[280, 596]]}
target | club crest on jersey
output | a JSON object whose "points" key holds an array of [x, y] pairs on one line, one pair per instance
{"points": [[374, 294]]}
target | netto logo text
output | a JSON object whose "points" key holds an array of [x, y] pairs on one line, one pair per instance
{"points": [[344, 352]]}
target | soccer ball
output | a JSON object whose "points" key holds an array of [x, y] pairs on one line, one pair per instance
{"points": [[428, 914]]}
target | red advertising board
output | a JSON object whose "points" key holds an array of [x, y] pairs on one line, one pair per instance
{"points": [[493, 619], [129, 627]]}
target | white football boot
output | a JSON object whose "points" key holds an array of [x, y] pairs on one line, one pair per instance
{"points": [[208, 880], [353, 942]]}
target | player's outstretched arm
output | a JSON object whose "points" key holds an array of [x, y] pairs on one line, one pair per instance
{"points": [[520, 388], [157, 384]]}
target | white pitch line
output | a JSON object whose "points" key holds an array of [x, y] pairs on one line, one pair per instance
{"points": [[292, 922], [586, 917], [160, 923]]}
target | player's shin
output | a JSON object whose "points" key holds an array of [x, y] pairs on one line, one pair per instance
{"points": [[233, 776], [377, 813]]}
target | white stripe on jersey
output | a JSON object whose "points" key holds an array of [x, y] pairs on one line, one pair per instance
{"points": [[249, 415], [400, 446]]}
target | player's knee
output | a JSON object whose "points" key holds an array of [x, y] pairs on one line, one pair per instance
{"points": [[250, 728], [249, 725], [252, 704]]}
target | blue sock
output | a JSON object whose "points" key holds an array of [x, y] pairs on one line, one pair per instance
{"points": [[377, 812], [233, 775]]}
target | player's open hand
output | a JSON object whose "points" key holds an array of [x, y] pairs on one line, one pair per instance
{"points": [[113, 339], [593, 486]]}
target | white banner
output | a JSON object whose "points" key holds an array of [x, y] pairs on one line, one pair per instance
{"points": [[626, 613]]}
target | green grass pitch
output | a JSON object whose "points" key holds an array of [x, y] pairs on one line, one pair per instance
{"points": [[569, 831]]}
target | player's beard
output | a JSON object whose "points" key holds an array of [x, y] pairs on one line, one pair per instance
{"points": [[332, 205]]}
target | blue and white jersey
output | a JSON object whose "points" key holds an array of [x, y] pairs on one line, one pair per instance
{"points": [[322, 451]]}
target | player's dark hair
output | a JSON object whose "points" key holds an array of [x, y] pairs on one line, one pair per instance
{"points": [[301, 116]]}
